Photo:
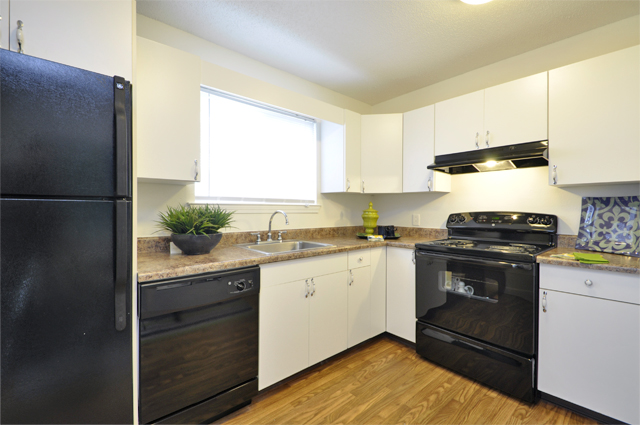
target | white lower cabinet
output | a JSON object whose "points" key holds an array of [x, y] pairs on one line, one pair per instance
{"points": [[401, 293], [589, 339], [314, 308], [359, 328]]}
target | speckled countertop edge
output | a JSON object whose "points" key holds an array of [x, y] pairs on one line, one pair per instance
{"points": [[617, 263], [163, 265]]}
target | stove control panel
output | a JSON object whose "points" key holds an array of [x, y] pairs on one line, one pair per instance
{"points": [[503, 220]]}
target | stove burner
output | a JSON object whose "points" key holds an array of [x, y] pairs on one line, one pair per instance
{"points": [[457, 243], [512, 248]]}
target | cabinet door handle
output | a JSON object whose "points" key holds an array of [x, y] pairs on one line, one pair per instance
{"points": [[413, 258], [544, 301], [313, 287], [351, 277], [306, 288], [0, 32], [195, 161], [486, 139], [477, 144], [348, 185], [429, 185], [20, 37], [362, 186], [554, 174], [588, 282]]}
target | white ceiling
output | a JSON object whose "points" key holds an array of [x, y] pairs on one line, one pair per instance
{"points": [[376, 50]]}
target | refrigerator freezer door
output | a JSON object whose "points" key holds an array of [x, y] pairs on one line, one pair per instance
{"points": [[60, 133], [63, 360]]}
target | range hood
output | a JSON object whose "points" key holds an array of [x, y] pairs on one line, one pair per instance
{"points": [[523, 155]]}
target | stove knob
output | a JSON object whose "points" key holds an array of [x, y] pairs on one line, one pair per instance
{"points": [[240, 285], [546, 221], [462, 219], [453, 218], [530, 220]]}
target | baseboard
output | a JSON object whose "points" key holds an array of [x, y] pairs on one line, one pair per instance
{"points": [[401, 340], [599, 417]]}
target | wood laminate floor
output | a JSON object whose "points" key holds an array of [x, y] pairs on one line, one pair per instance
{"points": [[385, 382]]}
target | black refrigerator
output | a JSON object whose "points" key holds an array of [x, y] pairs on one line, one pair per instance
{"points": [[66, 244]]}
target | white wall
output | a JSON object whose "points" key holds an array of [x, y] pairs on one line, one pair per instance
{"points": [[336, 210], [524, 190], [518, 190], [606, 39]]}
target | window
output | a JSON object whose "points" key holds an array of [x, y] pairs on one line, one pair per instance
{"points": [[254, 153]]}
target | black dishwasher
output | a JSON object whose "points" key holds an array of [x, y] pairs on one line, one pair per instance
{"points": [[198, 346]]}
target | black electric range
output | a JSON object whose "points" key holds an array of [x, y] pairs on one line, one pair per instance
{"points": [[477, 297]]}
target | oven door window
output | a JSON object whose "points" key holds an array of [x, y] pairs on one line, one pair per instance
{"points": [[489, 300]]}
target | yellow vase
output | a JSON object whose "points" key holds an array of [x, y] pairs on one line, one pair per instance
{"points": [[370, 219]]}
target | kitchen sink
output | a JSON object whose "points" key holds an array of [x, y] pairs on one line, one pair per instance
{"points": [[276, 247]]}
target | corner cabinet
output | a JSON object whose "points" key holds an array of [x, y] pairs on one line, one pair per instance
{"points": [[506, 114], [168, 114], [340, 155], [401, 293], [589, 339], [381, 153], [418, 152], [92, 35], [594, 129]]}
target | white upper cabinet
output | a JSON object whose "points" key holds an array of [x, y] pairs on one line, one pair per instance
{"points": [[168, 113], [516, 112], [4, 24], [93, 35], [381, 153], [459, 123], [418, 152], [507, 114], [594, 120], [340, 155]]}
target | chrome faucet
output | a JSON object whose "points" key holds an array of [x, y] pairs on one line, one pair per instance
{"points": [[286, 219]]}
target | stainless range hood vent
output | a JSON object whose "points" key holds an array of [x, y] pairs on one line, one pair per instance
{"points": [[524, 155]]}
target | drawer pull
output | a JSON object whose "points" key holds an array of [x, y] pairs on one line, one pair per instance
{"points": [[588, 282], [544, 301]]}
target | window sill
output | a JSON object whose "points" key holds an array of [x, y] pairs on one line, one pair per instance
{"points": [[264, 208]]}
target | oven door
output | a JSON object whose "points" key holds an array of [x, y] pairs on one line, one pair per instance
{"points": [[488, 300]]}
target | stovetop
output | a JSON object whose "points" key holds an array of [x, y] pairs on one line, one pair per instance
{"points": [[499, 235]]}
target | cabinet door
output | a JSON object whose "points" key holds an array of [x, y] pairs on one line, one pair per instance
{"points": [[333, 158], [588, 353], [284, 332], [168, 113], [4, 24], [352, 133], [516, 112], [92, 35], [401, 293], [459, 123], [378, 291], [418, 152], [359, 325], [327, 316], [381, 153], [594, 136]]}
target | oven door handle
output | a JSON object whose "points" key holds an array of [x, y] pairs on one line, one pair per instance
{"points": [[493, 263]]}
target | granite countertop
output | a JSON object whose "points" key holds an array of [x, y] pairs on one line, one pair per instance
{"points": [[617, 263], [162, 265]]}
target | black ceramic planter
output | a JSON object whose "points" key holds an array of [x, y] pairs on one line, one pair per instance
{"points": [[196, 244]]}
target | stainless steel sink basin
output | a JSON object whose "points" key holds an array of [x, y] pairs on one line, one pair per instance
{"points": [[282, 247]]}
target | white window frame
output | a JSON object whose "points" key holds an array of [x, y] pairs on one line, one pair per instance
{"points": [[250, 207]]}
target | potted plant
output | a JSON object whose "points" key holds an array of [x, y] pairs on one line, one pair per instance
{"points": [[195, 229]]}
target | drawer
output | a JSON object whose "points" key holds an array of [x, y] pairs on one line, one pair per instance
{"points": [[288, 271], [359, 258], [614, 286]]}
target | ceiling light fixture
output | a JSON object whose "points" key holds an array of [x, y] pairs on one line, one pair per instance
{"points": [[475, 1]]}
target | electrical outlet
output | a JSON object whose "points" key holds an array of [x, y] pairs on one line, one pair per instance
{"points": [[415, 219]]}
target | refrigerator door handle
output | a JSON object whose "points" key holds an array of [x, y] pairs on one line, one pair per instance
{"points": [[122, 274], [122, 153]]}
